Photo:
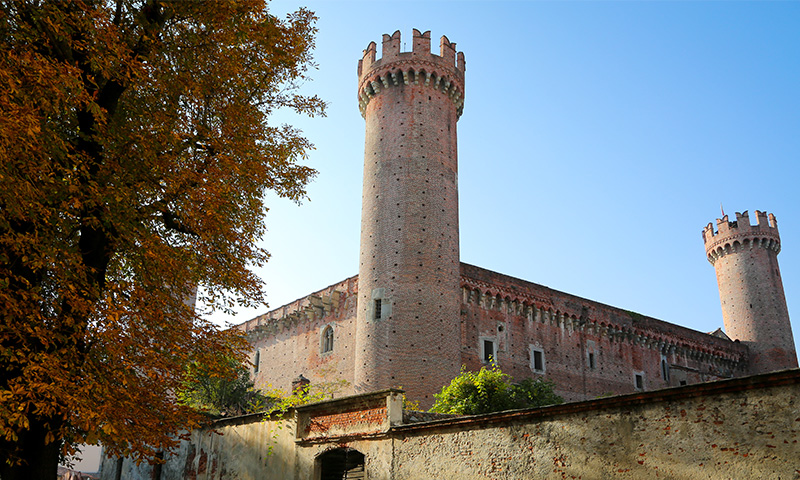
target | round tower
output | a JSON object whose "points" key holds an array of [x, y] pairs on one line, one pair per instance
{"points": [[745, 258], [408, 329]]}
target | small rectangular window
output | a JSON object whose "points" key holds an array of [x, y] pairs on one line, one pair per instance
{"points": [[377, 309], [537, 359], [639, 381], [591, 360], [488, 351], [683, 382]]}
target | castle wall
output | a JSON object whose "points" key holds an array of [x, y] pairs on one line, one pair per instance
{"points": [[742, 428], [289, 341], [420, 314], [587, 348]]}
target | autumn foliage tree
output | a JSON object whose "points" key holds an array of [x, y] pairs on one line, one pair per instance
{"points": [[134, 154]]}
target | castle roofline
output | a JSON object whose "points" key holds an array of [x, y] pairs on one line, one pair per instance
{"points": [[600, 315]]}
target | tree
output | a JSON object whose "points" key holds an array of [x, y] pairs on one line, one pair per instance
{"points": [[220, 394], [134, 155], [490, 390]]}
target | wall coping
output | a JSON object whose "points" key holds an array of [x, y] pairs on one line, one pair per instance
{"points": [[348, 400]]}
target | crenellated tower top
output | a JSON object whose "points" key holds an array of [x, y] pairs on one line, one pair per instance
{"points": [[443, 72], [730, 236], [745, 259]]}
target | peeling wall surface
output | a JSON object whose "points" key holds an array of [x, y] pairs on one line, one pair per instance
{"points": [[742, 428], [737, 434]]}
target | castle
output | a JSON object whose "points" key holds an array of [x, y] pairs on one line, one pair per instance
{"points": [[415, 314]]}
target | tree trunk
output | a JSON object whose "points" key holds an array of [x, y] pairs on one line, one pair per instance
{"points": [[40, 461]]}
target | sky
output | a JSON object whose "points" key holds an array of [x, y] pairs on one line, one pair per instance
{"points": [[597, 140]]}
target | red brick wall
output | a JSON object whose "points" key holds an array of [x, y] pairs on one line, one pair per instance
{"points": [[365, 420], [289, 338], [565, 327], [409, 225], [754, 310], [519, 314]]}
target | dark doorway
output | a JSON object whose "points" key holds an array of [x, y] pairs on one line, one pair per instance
{"points": [[342, 463]]}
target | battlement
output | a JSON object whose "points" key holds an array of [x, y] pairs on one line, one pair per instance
{"points": [[444, 72], [731, 235], [765, 224], [420, 48]]}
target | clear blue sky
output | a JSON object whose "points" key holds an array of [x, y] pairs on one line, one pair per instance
{"points": [[598, 139]]}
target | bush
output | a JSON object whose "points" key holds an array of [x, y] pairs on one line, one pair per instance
{"points": [[491, 390], [229, 392]]}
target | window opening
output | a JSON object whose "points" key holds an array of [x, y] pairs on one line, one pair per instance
{"points": [[488, 351], [664, 369], [638, 381], [256, 361], [377, 309], [327, 339], [591, 360], [538, 360]]}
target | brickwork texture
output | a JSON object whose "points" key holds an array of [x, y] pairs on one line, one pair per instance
{"points": [[415, 314]]}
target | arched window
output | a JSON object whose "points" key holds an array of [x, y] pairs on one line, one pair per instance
{"points": [[327, 339]]}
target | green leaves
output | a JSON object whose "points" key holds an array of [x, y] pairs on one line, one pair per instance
{"points": [[226, 392], [491, 390]]}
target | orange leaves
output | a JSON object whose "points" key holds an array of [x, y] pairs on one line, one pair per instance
{"points": [[135, 151]]}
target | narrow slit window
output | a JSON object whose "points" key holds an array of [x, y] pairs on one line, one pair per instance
{"points": [[638, 380], [256, 361], [377, 309], [591, 360]]}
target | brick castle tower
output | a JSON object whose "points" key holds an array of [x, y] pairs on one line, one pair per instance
{"points": [[745, 258], [408, 332]]}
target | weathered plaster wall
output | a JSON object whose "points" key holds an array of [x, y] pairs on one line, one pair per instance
{"points": [[244, 449], [715, 431], [256, 447], [742, 428]]}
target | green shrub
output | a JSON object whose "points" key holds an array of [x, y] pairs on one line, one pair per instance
{"points": [[491, 390]]}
